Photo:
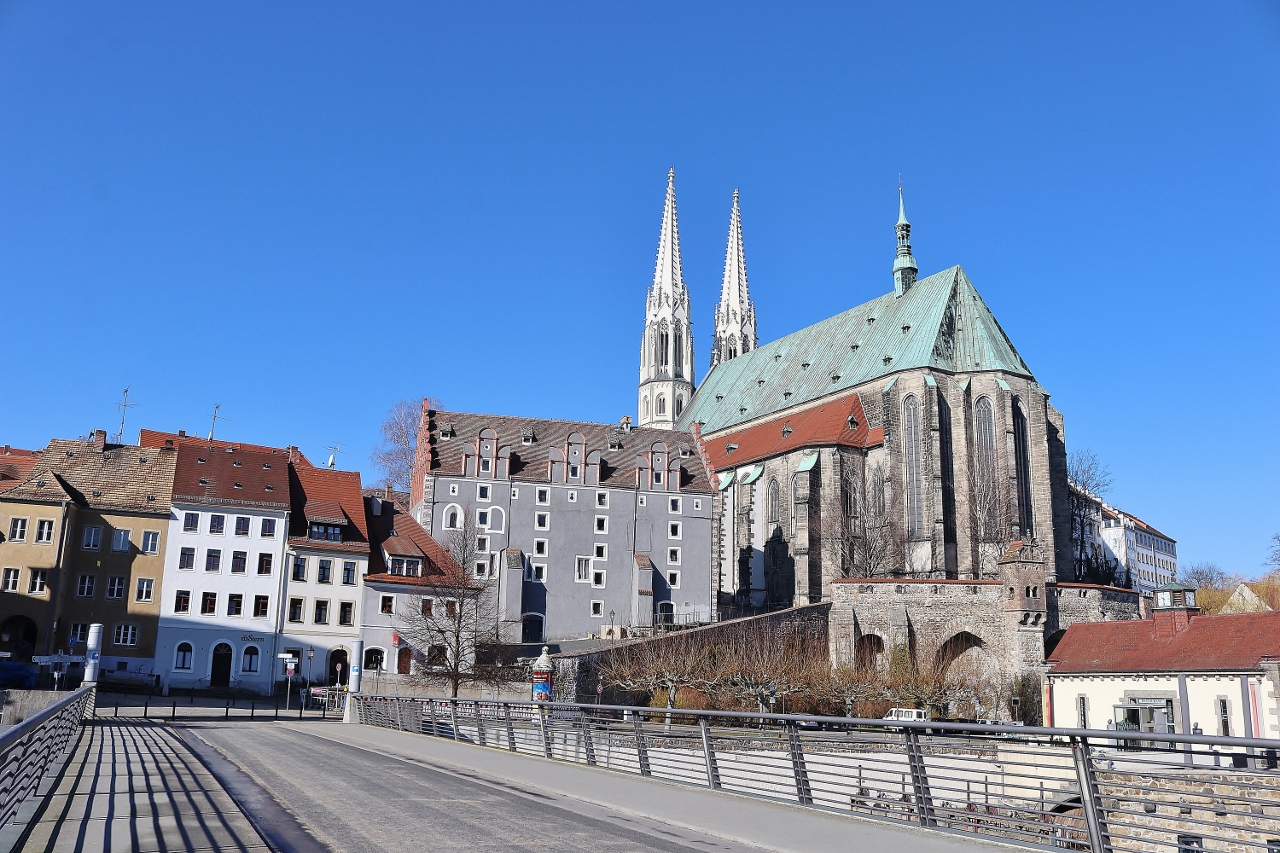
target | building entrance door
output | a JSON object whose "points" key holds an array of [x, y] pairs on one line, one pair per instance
{"points": [[220, 670]]}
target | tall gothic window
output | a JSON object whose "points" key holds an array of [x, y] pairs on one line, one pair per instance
{"points": [[662, 404], [679, 404], [986, 440], [679, 355], [948, 486], [1022, 460], [664, 348], [912, 462], [774, 510]]}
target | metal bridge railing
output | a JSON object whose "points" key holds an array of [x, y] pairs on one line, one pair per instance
{"points": [[1075, 789], [27, 749]]}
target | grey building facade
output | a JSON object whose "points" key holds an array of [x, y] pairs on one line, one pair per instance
{"points": [[581, 529]]}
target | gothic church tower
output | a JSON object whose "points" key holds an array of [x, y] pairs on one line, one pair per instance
{"points": [[735, 315], [666, 350]]}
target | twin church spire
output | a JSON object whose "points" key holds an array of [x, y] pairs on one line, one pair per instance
{"points": [[666, 350]]}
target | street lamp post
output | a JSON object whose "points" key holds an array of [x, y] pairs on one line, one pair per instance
{"points": [[311, 653], [613, 632]]}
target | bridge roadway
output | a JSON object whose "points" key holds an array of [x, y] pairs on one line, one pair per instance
{"points": [[304, 786]]}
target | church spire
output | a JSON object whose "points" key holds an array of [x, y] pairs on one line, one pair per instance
{"points": [[904, 266], [735, 315], [666, 349]]}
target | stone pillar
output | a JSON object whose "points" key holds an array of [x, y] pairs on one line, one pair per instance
{"points": [[92, 653]]}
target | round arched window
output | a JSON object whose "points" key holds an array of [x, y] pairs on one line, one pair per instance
{"points": [[182, 658]]}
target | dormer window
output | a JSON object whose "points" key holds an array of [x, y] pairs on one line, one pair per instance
{"points": [[236, 463], [527, 436], [199, 459], [446, 430], [324, 532]]}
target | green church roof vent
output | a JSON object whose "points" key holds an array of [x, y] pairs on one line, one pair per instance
{"points": [[887, 359]]}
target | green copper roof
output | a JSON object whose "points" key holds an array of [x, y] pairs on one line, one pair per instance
{"points": [[941, 323]]}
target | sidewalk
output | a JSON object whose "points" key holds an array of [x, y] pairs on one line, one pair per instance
{"points": [[746, 820], [131, 785]]}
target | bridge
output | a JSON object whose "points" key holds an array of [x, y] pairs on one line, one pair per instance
{"points": [[518, 775]]}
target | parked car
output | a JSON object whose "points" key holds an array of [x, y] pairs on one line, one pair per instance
{"points": [[913, 715]]}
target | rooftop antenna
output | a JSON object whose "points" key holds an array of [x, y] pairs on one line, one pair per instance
{"points": [[124, 406], [216, 417], [333, 457]]}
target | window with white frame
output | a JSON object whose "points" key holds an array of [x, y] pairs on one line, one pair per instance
{"points": [[573, 472], [482, 568], [182, 656], [537, 572], [540, 548], [482, 492], [18, 530], [602, 551], [242, 525], [151, 541], [146, 586], [268, 530], [542, 521], [485, 464], [673, 556], [597, 578], [542, 497], [321, 614], [84, 586], [125, 635], [482, 517], [115, 587], [92, 539], [675, 504], [217, 524], [673, 579], [44, 531], [453, 517], [249, 659], [120, 540], [79, 633], [190, 522], [10, 580], [235, 604], [261, 606], [602, 524], [182, 601], [387, 605], [657, 478], [295, 609], [597, 609], [673, 530], [213, 560], [39, 582], [482, 544], [602, 500], [582, 570]]}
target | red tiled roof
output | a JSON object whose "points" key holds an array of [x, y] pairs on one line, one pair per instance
{"points": [[820, 426], [100, 476], [15, 465], [1230, 643], [400, 535], [334, 492], [157, 438], [211, 476]]}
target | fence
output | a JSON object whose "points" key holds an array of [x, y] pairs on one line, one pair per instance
{"points": [[27, 749], [1075, 789]]}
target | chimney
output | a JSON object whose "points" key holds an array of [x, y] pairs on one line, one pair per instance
{"points": [[376, 505], [168, 444], [182, 433], [100, 438], [1174, 610], [625, 423]]}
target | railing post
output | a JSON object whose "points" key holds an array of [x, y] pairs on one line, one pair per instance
{"points": [[479, 724], [1094, 816], [713, 771], [586, 741], [919, 779], [511, 729], [803, 792], [642, 750], [435, 721], [546, 736], [453, 713]]}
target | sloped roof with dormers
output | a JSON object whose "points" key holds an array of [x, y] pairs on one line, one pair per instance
{"points": [[941, 322], [101, 476]]}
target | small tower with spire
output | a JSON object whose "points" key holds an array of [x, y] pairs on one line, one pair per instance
{"points": [[666, 349], [904, 266], [735, 315]]}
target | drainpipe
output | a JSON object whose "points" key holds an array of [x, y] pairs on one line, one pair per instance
{"points": [[58, 571], [281, 602]]}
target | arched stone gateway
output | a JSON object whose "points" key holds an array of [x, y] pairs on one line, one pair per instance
{"points": [[868, 651]]}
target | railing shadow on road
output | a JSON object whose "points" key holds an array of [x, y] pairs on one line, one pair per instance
{"points": [[1056, 788]]}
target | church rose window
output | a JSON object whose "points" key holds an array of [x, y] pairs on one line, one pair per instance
{"points": [[911, 459]]}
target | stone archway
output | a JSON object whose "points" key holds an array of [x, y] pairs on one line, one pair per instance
{"points": [[220, 666], [18, 637], [867, 651]]}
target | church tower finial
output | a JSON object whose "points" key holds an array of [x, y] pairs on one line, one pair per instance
{"points": [[735, 315], [904, 266], [666, 350]]}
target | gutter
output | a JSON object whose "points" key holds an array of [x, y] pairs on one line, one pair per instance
{"points": [[58, 573]]}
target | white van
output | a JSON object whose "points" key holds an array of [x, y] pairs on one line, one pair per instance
{"points": [[914, 715]]}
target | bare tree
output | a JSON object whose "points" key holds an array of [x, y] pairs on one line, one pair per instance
{"points": [[1203, 576], [660, 665], [992, 517], [1273, 555], [1088, 482], [870, 539], [400, 441]]}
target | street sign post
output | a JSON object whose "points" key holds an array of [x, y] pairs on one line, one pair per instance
{"points": [[58, 658]]}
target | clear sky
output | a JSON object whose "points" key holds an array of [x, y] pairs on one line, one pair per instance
{"points": [[305, 212]]}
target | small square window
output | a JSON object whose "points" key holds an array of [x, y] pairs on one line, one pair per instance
{"points": [[213, 560], [115, 588], [538, 572], [482, 544], [542, 521], [602, 524], [182, 601], [239, 559], [151, 542], [482, 568], [120, 540], [573, 472], [540, 547], [18, 530], [602, 500], [92, 540], [235, 604], [602, 551], [208, 603], [321, 615], [482, 517], [295, 609], [675, 504], [388, 604], [483, 493], [673, 556], [673, 579], [44, 531], [453, 488], [582, 570], [485, 464], [543, 496], [39, 582], [573, 497], [597, 578], [597, 609], [346, 613], [84, 586], [260, 606], [10, 580], [657, 478], [217, 523], [191, 522], [673, 530], [146, 587], [242, 525], [268, 528]]}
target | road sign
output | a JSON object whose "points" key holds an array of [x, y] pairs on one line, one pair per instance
{"points": [[59, 658], [284, 655]]}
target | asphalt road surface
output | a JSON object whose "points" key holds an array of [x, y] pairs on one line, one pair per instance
{"points": [[357, 800]]}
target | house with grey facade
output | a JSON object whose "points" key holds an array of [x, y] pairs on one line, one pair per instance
{"points": [[582, 529]]}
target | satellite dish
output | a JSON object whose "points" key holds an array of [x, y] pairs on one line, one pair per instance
{"points": [[332, 460]]}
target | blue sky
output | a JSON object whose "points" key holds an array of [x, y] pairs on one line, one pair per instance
{"points": [[305, 212]]}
